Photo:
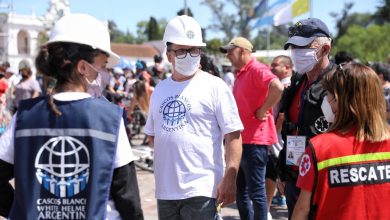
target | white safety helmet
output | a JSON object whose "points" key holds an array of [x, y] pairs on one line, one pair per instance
{"points": [[84, 29], [184, 30]]}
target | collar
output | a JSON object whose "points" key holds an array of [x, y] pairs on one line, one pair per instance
{"points": [[71, 96], [245, 68]]}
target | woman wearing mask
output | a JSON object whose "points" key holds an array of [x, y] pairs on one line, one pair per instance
{"points": [[347, 168], [28, 87], [68, 151]]}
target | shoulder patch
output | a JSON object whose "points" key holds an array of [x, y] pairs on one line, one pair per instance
{"points": [[305, 165]]}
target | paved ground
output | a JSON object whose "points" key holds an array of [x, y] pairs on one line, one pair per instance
{"points": [[146, 185]]}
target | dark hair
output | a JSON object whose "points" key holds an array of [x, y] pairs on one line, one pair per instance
{"points": [[381, 68], [342, 57], [157, 59], [59, 60], [207, 65]]}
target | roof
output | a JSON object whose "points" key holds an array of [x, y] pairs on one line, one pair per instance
{"points": [[134, 50]]}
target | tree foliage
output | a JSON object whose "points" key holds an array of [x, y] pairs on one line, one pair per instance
{"points": [[278, 36], [153, 30], [363, 35], [182, 12], [382, 15], [213, 46], [366, 44], [232, 17], [119, 36]]}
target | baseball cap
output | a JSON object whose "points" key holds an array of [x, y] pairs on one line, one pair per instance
{"points": [[305, 31], [24, 65], [237, 42]]}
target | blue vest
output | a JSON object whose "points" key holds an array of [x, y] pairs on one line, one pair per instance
{"points": [[64, 164]]}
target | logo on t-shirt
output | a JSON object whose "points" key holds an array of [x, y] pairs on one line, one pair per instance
{"points": [[305, 165], [174, 110]]}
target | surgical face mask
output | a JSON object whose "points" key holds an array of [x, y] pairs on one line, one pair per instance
{"points": [[304, 59], [95, 87], [327, 110], [188, 65]]}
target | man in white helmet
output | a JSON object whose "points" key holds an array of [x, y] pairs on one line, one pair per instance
{"points": [[191, 112]]}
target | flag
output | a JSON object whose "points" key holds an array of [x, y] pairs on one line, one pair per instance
{"points": [[300, 7], [260, 9], [272, 10], [283, 12]]}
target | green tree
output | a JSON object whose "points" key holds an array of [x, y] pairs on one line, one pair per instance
{"points": [[344, 20], [366, 44], [213, 46], [182, 12], [278, 36], [142, 36], [232, 17], [117, 35], [153, 30], [382, 15]]}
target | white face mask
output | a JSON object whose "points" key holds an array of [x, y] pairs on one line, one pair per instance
{"points": [[94, 88], [188, 65], [327, 110], [304, 59]]}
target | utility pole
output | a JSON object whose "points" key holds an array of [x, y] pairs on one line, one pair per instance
{"points": [[185, 7]]}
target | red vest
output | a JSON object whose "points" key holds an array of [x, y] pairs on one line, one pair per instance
{"points": [[353, 178]]}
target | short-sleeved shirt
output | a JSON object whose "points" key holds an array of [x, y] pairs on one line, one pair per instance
{"points": [[25, 89], [250, 91], [188, 121]]}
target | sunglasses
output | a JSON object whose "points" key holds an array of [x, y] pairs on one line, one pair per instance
{"points": [[304, 31]]}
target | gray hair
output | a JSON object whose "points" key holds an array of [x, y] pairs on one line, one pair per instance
{"points": [[323, 40]]}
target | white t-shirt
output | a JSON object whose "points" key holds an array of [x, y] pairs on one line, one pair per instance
{"points": [[188, 121], [229, 79], [124, 154]]}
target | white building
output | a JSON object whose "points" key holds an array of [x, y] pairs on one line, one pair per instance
{"points": [[22, 35]]}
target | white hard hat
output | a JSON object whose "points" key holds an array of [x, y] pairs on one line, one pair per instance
{"points": [[184, 30], [117, 70], [84, 29]]}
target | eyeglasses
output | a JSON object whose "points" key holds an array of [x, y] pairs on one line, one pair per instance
{"points": [[182, 53], [304, 31]]}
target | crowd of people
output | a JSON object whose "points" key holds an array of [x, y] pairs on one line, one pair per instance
{"points": [[308, 131]]}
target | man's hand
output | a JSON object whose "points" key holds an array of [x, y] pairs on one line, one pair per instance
{"points": [[226, 190]]}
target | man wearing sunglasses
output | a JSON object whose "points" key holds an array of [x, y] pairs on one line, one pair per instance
{"points": [[310, 44]]}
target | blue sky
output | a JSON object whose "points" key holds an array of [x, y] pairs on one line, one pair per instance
{"points": [[126, 13]]}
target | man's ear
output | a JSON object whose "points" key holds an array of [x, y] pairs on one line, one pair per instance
{"points": [[325, 50], [169, 57]]}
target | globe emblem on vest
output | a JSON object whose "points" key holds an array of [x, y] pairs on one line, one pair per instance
{"points": [[62, 165], [174, 112], [190, 34]]}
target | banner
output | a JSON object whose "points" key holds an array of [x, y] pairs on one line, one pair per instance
{"points": [[283, 12]]}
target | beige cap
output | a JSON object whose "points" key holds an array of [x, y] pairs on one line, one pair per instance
{"points": [[237, 42]]}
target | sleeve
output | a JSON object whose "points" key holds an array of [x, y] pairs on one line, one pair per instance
{"points": [[7, 142], [264, 78], [6, 190], [124, 154], [125, 193], [226, 111], [306, 171], [149, 126], [37, 87]]}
